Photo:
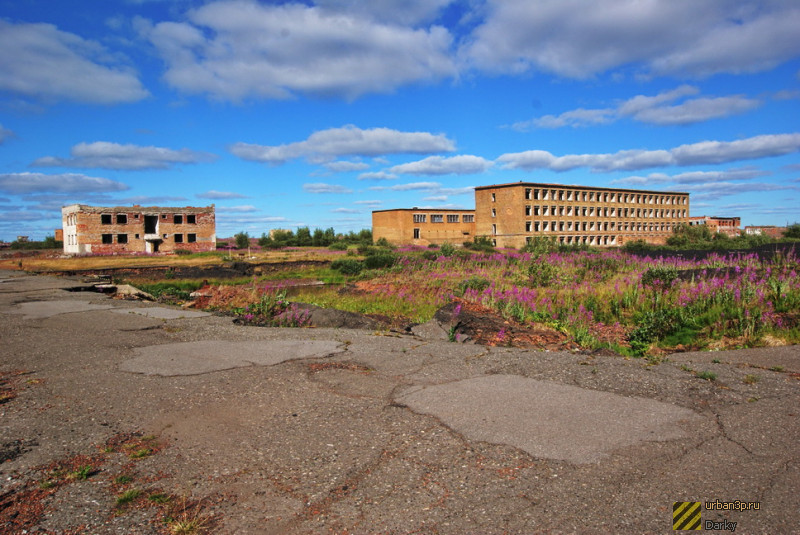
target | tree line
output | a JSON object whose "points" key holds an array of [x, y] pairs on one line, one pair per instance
{"points": [[305, 237]]}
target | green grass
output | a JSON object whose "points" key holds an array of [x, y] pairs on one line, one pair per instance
{"points": [[159, 497], [707, 375], [123, 479], [82, 473], [128, 496], [391, 306], [140, 453], [750, 379]]}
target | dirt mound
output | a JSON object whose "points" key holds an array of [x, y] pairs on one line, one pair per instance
{"points": [[486, 327], [338, 319]]}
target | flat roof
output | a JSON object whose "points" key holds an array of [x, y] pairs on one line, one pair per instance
{"points": [[572, 186], [425, 210], [136, 208]]}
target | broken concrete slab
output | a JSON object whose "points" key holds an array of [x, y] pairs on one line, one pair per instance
{"points": [[124, 291], [196, 358], [162, 313], [548, 420], [46, 309]]}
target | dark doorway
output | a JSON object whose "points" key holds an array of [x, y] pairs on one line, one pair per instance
{"points": [[150, 224]]}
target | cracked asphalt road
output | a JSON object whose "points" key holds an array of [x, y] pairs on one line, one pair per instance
{"points": [[345, 431]]}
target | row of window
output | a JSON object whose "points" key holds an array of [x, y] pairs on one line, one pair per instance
{"points": [[123, 238], [591, 226], [604, 211], [439, 218], [122, 219], [601, 196], [589, 240]]}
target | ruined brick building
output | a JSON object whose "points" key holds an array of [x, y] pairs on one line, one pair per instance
{"points": [[511, 215], [731, 226], [137, 229]]}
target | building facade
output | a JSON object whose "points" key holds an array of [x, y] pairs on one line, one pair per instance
{"points": [[724, 225], [423, 226], [511, 215], [137, 229], [765, 230]]}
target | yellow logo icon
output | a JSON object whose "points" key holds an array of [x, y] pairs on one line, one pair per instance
{"points": [[686, 515]]}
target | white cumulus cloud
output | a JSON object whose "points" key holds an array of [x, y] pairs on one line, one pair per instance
{"points": [[240, 49], [660, 109], [326, 145], [582, 38], [23, 183], [320, 187], [40, 61], [107, 155], [704, 152], [438, 165]]}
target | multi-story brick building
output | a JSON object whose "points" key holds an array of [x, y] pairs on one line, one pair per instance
{"points": [[723, 225], [423, 226], [511, 215], [137, 229]]}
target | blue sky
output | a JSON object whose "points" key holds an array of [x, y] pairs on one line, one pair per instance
{"points": [[315, 113]]}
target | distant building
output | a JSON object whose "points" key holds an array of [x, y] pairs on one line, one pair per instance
{"points": [[765, 230], [22, 239], [423, 226], [137, 229], [511, 215], [724, 225]]}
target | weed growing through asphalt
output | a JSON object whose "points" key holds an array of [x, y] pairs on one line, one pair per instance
{"points": [[776, 369], [140, 453], [127, 497], [159, 498], [707, 375], [82, 473], [188, 518], [751, 379], [123, 479]]}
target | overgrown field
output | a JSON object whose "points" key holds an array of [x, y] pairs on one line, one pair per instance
{"points": [[633, 305]]}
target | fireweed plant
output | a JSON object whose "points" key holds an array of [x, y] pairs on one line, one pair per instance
{"points": [[665, 301], [646, 302], [271, 309]]}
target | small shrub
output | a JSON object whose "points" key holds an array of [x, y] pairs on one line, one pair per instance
{"points": [[475, 283], [447, 249], [540, 246], [708, 376], [636, 246], [481, 244], [338, 246], [347, 266], [380, 260], [543, 274], [383, 242], [659, 277], [750, 379]]}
